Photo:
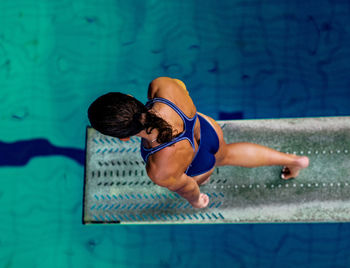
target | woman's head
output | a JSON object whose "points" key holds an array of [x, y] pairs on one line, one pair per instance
{"points": [[115, 114], [119, 115]]}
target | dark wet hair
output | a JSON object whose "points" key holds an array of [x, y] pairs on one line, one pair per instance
{"points": [[119, 115]]}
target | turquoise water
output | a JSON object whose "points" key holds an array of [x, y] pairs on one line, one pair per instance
{"points": [[239, 59]]}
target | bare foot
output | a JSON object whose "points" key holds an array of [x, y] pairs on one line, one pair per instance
{"points": [[292, 171]]}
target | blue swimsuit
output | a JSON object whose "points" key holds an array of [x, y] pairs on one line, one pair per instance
{"points": [[204, 159]]}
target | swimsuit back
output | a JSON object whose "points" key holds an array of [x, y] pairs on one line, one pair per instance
{"points": [[188, 134]]}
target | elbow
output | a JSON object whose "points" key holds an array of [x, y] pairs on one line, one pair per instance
{"points": [[174, 188]]}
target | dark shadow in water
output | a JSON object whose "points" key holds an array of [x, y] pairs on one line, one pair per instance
{"points": [[19, 153], [230, 116]]}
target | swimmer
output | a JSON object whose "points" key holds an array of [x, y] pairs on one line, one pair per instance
{"points": [[181, 146]]}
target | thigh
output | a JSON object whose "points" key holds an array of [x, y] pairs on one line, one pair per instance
{"points": [[220, 154]]}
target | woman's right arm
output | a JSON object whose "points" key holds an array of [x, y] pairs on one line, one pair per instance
{"points": [[187, 187], [165, 83], [183, 185]]}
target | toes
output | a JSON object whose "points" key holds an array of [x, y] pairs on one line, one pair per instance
{"points": [[285, 171]]}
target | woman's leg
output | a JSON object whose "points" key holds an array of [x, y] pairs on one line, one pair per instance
{"points": [[246, 154]]}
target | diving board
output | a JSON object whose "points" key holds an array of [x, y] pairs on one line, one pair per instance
{"points": [[117, 189]]}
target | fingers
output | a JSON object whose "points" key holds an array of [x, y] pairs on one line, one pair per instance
{"points": [[207, 201], [203, 201]]}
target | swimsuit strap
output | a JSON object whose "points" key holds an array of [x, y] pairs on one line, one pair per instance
{"points": [[187, 133], [172, 105]]}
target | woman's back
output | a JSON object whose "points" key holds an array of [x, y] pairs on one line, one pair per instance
{"points": [[179, 155]]}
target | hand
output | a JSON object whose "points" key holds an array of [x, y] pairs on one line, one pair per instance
{"points": [[202, 202]]}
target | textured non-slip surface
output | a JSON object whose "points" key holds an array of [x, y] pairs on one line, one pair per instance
{"points": [[117, 189]]}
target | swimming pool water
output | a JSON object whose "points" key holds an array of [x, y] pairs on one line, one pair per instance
{"points": [[239, 60]]}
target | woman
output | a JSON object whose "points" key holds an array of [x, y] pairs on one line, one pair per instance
{"points": [[180, 146]]}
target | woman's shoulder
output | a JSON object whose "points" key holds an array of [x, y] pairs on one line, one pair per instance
{"points": [[173, 90], [165, 87]]}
